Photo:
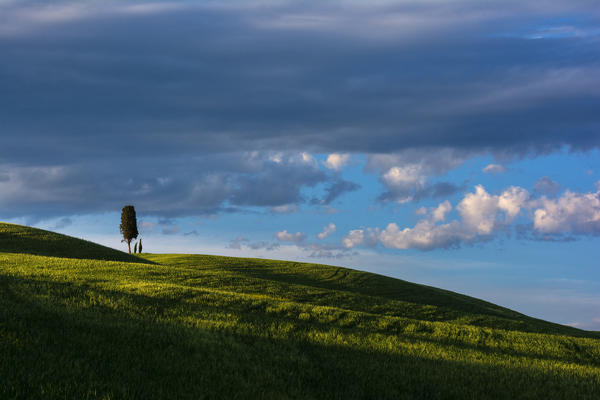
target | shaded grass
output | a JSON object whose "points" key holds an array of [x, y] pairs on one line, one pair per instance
{"points": [[216, 327], [120, 352], [27, 240]]}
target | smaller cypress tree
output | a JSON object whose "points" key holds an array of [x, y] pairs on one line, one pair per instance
{"points": [[135, 248], [140, 246]]}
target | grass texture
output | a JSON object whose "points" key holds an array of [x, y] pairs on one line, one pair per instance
{"points": [[81, 321]]}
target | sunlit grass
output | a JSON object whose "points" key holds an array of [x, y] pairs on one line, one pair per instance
{"points": [[215, 327]]}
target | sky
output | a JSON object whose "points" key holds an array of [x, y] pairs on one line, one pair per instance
{"points": [[450, 143]]}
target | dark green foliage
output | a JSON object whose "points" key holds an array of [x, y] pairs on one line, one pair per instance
{"points": [[140, 246], [128, 225], [208, 327], [135, 248]]}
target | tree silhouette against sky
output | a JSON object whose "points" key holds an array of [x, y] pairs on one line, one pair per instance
{"points": [[128, 225]]}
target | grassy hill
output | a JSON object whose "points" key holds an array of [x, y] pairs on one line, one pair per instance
{"points": [[78, 320], [23, 239]]}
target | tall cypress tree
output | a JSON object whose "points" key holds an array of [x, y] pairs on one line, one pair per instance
{"points": [[140, 246], [128, 225]]}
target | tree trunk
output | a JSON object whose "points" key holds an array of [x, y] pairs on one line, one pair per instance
{"points": [[129, 246]]}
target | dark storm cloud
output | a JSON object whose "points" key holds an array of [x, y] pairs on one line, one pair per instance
{"points": [[418, 192], [162, 187], [547, 186], [278, 181], [94, 94], [334, 190], [105, 79]]}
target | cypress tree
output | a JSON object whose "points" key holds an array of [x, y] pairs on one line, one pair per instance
{"points": [[128, 225], [135, 248], [140, 246]]}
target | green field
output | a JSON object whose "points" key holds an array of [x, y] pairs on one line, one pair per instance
{"points": [[79, 321]]}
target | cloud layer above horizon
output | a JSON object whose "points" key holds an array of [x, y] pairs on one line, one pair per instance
{"points": [[207, 108]]}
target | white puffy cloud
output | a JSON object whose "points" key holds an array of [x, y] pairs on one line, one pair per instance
{"points": [[327, 230], [403, 180], [285, 209], [308, 159], [574, 213], [406, 174], [353, 238], [480, 210], [285, 236], [440, 212], [494, 169], [361, 237], [482, 215], [511, 201], [424, 236], [336, 161]]}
